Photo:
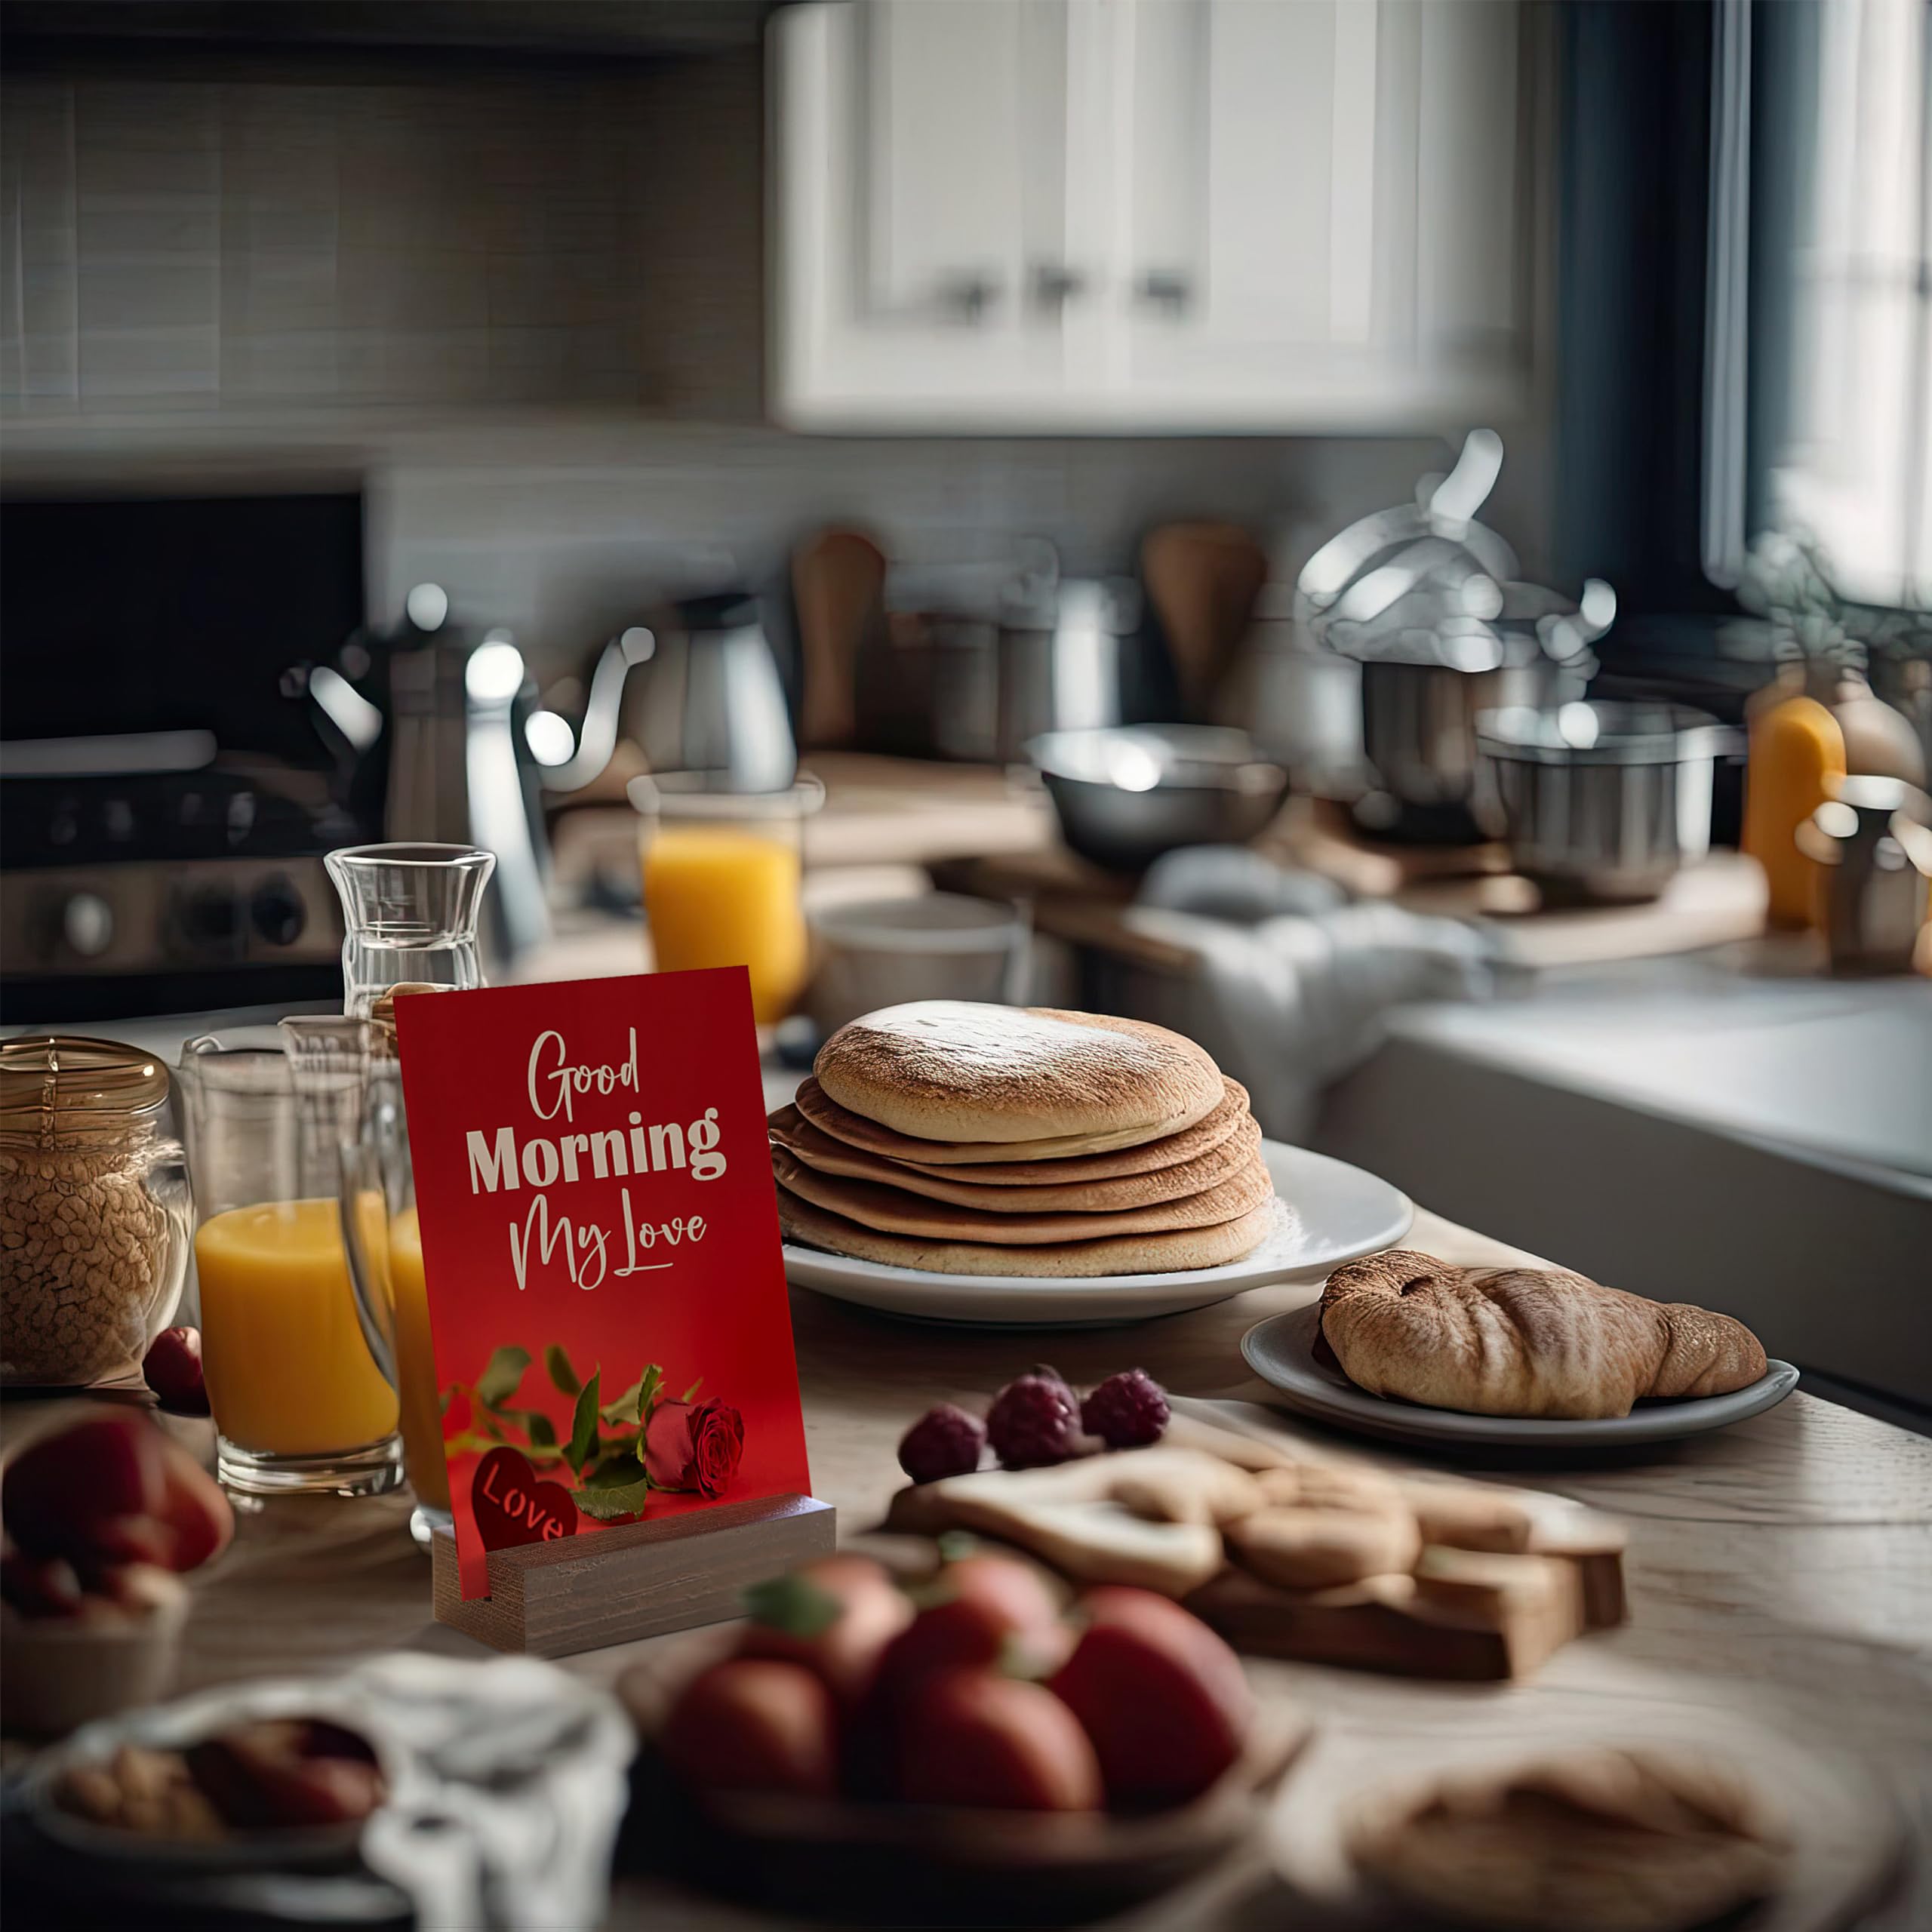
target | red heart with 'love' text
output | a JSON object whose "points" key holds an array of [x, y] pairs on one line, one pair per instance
{"points": [[512, 1507]]}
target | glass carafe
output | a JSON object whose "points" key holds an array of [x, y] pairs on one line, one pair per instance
{"points": [[300, 1376], [385, 1249], [411, 914]]}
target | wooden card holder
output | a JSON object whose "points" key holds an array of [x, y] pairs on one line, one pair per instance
{"points": [[639, 1579]]}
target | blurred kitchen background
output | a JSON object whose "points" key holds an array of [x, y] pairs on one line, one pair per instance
{"points": [[1280, 516]]}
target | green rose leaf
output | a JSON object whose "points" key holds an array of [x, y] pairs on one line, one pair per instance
{"points": [[583, 1426], [624, 1409], [618, 1471], [557, 1361], [498, 1381], [602, 1501], [534, 1423]]}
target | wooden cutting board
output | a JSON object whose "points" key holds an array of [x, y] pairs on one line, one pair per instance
{"points": [[1473, 1613], [1719, 898]]}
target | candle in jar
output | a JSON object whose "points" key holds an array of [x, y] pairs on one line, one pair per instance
{"points": [[288, 1371], [717, 896]]}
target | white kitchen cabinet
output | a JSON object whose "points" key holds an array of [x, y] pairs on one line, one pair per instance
{"points": [[1148, 214]]}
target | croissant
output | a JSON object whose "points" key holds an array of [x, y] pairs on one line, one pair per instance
{"points": [[1523, 1341]]}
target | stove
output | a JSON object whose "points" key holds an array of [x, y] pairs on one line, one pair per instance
{"points": [[169, 783]]}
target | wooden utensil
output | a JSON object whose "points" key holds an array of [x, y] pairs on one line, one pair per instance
{"points": [[1204, 578], [838, 583]]}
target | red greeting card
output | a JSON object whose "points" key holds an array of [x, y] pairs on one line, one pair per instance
{"points": [[601, 1254]]}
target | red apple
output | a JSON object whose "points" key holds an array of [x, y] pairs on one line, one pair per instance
{"points": [[835, 1616], [754, 1723], [986, 1609], [173, 1369], [972, 1738], [1162, 1697], [61, 1491], [194, 1509], [111, 1489], [132, 1539]]}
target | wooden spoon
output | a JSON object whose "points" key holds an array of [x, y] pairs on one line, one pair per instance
{"points": [[838, 583]]}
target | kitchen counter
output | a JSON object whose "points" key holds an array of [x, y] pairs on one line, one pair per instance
{"points": [[1724, 1127], [1778, 1569]]}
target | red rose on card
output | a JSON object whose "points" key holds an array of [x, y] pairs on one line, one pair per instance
{"points": [[693, 1446]]}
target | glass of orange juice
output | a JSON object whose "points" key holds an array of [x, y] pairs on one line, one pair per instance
{"points": [[722, 874], [300, 1370]]}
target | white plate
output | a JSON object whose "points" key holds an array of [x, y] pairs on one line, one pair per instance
{"points": [[1281, 1352], [1335, 1213]]}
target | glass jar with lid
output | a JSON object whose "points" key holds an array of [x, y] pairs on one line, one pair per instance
{"points": [[95, 1211]]}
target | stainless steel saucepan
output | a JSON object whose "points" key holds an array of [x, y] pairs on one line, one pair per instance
{"points": [[1600, 802]]}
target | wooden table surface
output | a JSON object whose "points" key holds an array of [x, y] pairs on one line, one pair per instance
{"points": [[1782, 1568]]}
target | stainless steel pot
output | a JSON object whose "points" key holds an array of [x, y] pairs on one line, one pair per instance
{"points": [[1418, 734], [1428, 601], [1062, 650], [1599, 802]]}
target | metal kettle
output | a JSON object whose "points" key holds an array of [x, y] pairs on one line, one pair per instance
{"points": [[460, 769], [699, 692]]}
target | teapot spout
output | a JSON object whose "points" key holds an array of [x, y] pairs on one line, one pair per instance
{"points": [[597, 736]]}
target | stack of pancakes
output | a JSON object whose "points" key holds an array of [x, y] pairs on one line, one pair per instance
{"points": [[1000, 1140]]}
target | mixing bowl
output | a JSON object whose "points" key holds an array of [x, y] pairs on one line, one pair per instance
{"points": [[1126, 795]]}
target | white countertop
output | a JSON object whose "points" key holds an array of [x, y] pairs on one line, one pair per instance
{"points": [[1830, 1069]]}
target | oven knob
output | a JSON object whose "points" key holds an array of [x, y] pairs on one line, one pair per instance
{"points": [[278, 911], [87, 923], [211, 918]]}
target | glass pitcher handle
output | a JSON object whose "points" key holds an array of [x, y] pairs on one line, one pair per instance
{"points": [[364, 1208]]}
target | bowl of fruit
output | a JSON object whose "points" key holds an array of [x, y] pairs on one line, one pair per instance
{"points": [[917, 1740], [100, 1513]]}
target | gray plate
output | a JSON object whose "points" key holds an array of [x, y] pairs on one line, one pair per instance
{"points": [[1281, 1352]]}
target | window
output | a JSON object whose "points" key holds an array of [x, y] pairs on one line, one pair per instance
{"points": [[1851, 463]]}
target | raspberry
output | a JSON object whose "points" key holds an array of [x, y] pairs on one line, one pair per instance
{"points": [[1126, 1411], [1035, 1420], [945, 1441]]}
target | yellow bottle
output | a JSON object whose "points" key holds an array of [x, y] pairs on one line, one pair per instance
{"points": [[1797, 757]]}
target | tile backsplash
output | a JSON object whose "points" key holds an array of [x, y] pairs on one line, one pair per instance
{"points": [[482, 238], [525, 308]]}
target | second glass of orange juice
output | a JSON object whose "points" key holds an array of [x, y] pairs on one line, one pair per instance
{"points": [[300, 1372], [722, 873]]}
